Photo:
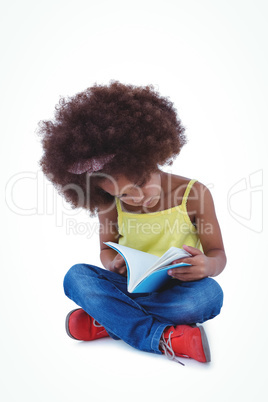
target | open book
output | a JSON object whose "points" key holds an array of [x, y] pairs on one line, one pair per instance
{"points": [[147, 272]]}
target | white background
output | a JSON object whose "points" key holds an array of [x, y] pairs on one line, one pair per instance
{"points": [[210, 58]]}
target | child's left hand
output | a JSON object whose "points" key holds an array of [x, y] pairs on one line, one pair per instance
{"points": [[199, 269]]}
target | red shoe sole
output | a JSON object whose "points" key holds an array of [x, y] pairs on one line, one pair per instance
{"points": [[205, 344], [67, 323]]}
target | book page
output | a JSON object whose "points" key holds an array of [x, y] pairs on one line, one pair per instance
{"points": [[174, 253], [137, 262]]}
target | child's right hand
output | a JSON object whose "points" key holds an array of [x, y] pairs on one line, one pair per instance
{"points": [[118, 265]]}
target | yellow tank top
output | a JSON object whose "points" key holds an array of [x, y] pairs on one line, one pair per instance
{"points": [[156, 232]]}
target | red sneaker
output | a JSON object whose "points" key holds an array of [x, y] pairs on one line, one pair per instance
{"points": [[185, 341], [81, 326]]}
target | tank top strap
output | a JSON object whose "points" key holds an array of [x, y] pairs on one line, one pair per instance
{"points": [[187, 191], [119, 211], [118, 204]]}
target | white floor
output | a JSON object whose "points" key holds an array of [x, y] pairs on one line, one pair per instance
{"points": [[39, 362]]}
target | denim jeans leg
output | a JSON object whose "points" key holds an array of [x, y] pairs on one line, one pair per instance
{"points": [[185, 302], [103, 295]]}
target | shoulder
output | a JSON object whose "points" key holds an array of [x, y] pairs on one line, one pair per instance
{"points": [[108, 212], [108, 224], [172, 183], [200, 199], [199, 188], [179, 187]]}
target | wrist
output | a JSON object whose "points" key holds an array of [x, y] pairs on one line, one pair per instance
{"points": [[212, 267], [216, 262]]}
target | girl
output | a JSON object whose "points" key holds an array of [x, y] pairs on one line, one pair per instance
{"points": [[103, 152]]}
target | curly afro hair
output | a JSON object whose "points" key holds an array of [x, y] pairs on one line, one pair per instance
{"points": [[135, 123]]}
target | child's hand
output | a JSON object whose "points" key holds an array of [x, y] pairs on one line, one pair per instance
{"points": [[118, 265], [199, 269]]}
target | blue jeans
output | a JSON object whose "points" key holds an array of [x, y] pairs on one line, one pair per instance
{"points": [[140, 319]]}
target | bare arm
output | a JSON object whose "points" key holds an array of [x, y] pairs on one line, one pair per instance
{"points": [[110, 259], [213, 260]]}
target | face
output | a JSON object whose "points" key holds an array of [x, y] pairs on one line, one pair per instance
{"points": [[137, 194]]}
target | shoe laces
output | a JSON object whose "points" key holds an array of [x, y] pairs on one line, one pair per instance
{"points": [[166, 346], [96, 324]]}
